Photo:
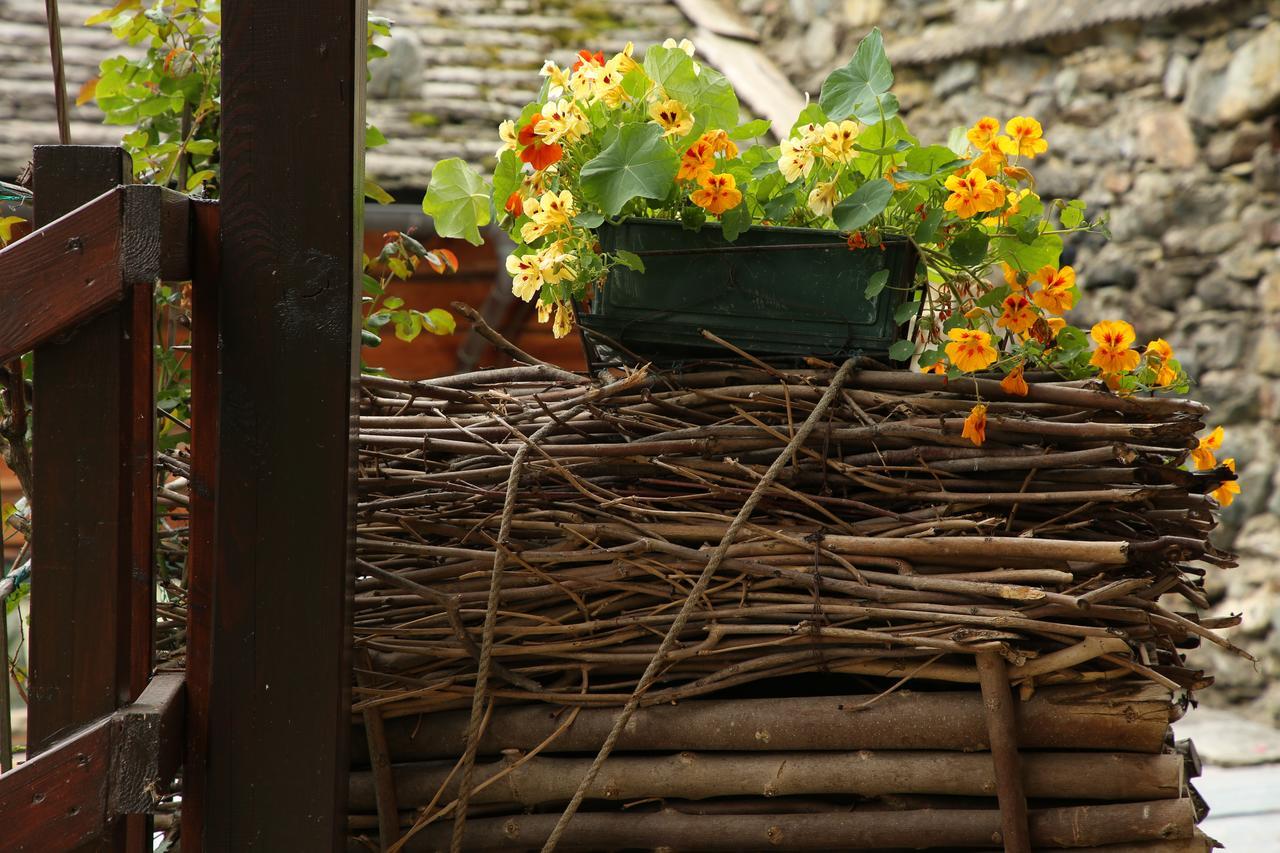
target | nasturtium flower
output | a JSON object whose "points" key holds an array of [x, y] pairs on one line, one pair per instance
{"points": [[838, 141], [1026, 137], [810, 135], [973, 194], [983, 132], [1019, 174], [510, 139], [6, 228], [544, 311], [697, 161], [624, 61], [1160, 353], [822, 199], [718, 194], [672, 116], [526, 275], [721, 143], [1056, 324], [515, 204], [970, 349], [558, 77], [1018, 315], [990, 160], [1226, 493], [975, 426], [1114, 354], [795, 161], [556, 263], [939, 366], [586, 59], [1016, 280], [1013, 206], [563, 324], [889, 176], [1057, 289], [1202, 455], [1014, 383], [561, 120], [535, 152], [684, 44], [550, 212]]}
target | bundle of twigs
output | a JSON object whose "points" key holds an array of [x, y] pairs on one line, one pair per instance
{"points": [[530, 535]]}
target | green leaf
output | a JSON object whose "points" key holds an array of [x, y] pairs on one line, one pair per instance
{"points": [[202, 147], [373, 137], [902, 350], [1043, 250], [876, 283], [438, 321], [198, 178], [857, 88], [636, 84], [993, 297], [734, 221], [706, 92], [928, 227], [588, 219], [630, 260], [1071, 339], [377, 193], [866, 203], [751, 129], [639, 163], [780, 206], [970, 247], [370, 284], [506, 177], [1072, 214], [393, 302], [408, 325], [905, 312], [932, 356], [811, 114], [370, 339], [458, 200]]}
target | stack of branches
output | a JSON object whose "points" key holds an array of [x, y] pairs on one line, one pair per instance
{"points": [[532, 541]]}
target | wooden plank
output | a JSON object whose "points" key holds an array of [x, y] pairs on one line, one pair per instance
{"points": [[279, 712], [91, 613], [206, 261], [118, 765]]}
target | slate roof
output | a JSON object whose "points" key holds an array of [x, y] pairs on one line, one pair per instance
{"points": [[1013, 23], [456, 69]]}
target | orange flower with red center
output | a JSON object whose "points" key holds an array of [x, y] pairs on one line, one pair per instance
{"points": [[975, 426], [1226, 493], [697, 161], [973, 194], [1018, 315], [534, 151], [1160, 354], [939, 366], [970, 349], [1202, 455], [1057, 289], [718, 194], [1114, 339], [983, 133], [1026, 138], [1014, 383]]}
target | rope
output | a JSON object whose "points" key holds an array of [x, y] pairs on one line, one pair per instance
{"points": [[59, 71], [686, 610]]}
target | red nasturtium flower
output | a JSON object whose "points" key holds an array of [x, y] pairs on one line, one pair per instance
{"points": [[586, 57], [857, 240], [514, 205], [534, 151]]}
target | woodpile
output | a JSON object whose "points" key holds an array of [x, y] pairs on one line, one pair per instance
{"points": [[749, 608]]}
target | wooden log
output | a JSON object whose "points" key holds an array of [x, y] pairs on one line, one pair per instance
{"points": [[1076, 826], [1002, 731], [1133, 719], [1104, 776]]}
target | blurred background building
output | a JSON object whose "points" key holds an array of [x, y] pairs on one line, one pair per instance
{"points": [[1162, 113]]}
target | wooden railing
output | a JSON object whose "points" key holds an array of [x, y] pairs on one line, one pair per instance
{"points": [[105, 733]]}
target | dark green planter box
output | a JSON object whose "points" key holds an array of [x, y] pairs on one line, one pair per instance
{"points": [[779, 293]]}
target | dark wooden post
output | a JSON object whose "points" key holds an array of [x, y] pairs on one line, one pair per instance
{"points": [[279, 670], [1002, 729], [93, 524]]}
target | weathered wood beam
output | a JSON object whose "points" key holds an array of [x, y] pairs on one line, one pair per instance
{"points": [[79, 787], [81, 263]]}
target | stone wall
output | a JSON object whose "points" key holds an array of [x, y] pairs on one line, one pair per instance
{"points": [[1171, 126]]}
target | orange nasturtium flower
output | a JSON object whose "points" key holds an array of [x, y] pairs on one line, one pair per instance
{"points": [[939, 366], [515, 204], [1114, 339], [1012, 277], [975, 426], [1160, 354], [1202, 455], [970, 349], [697, 161], [1017, 316], [973, 194], [1056, 294], [1226, 493], [718, 194], [586, 57], [721, 143], [672, 116], [983, 133], [1026, 138], [1014, 383], [534, 151]]}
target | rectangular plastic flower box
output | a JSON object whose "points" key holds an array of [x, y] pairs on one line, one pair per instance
{"points": [[779, 293]]}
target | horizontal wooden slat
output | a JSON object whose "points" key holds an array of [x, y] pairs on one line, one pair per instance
{"points": [[118, 765], [69, 271]]}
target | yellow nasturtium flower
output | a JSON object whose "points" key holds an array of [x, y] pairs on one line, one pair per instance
{"points": [[526, 276], [838, 141], [6, 228], [822, 200], [544, 311], [1114, 354], [672, 116], [983, 132], [684, 44], [718, 194], [564, 321], [796, 160], [970, 349], [973, 194], [1202, 455], [1056, 294], [508, 134], [556, 263], [1026, 140], [549, 212], [975, 426], [1226, 493], [561, 120]]}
